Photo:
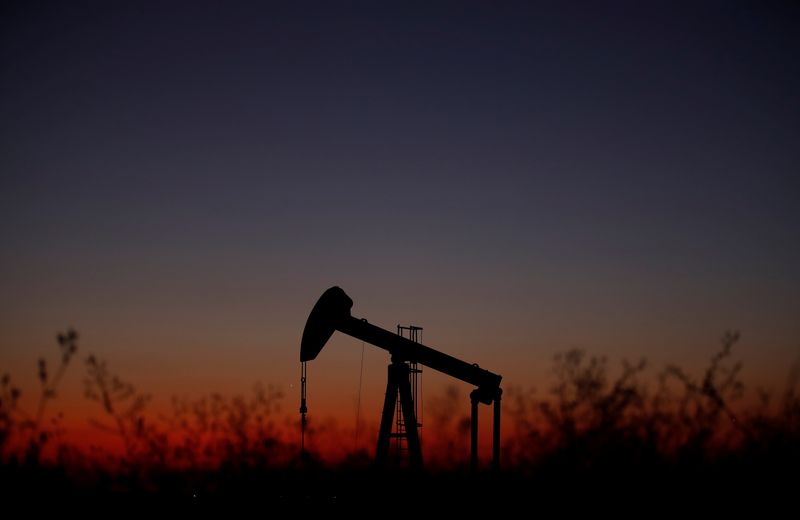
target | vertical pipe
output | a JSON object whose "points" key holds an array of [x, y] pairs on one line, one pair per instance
{"points": [[303, 410], [496, 432], [473, 454]]}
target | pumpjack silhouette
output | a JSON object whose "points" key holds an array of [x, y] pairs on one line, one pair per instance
{"points": [[332, 313]]}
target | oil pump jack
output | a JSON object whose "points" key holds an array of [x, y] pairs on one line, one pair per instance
{"points": [[332, 313]]}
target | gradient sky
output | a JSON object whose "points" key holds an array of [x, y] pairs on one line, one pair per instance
{"points": [[181, 182]]}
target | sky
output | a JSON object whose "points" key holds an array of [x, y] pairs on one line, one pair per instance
{"points": [[182, 180]]}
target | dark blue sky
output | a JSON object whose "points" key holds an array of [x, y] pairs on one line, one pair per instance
{"points": [[619, 176]]}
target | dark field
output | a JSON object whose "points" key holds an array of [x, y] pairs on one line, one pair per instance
{"points": [[590, 442]]}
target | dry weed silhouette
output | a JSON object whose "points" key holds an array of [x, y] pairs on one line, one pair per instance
{"points": [[586, 431]]}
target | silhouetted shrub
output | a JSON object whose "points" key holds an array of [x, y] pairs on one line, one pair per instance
{"points": [[589, 430]]}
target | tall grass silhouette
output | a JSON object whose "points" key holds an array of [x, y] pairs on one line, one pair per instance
{"points": [[587, 431]]}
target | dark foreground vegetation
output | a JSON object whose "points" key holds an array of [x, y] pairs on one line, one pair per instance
{"points": [[591, 442]]}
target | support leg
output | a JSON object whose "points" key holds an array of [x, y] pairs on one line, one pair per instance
{"points": [[389, 402], [473, 453], [496, 432], [410, 420]]}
